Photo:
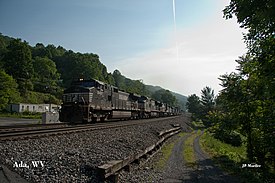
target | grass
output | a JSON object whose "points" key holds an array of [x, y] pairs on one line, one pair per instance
{"points": [[22, 115], [231, 158], [197, 125], [188, 150], [181, 134], [217, 148], [166, 152]]}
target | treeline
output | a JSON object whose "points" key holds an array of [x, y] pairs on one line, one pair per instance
{"points": [[244, 111], [39, 74]]}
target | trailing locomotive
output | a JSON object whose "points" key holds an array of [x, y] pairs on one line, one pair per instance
{"points": [[93, 100]]}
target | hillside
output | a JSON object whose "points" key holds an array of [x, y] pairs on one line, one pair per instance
{"points": [[32, 71], [180, 98]]}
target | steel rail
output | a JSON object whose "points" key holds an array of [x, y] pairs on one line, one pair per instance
{"points": [[37, 133]]}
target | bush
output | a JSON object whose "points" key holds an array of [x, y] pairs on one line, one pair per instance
{"points": [[233, 138]]}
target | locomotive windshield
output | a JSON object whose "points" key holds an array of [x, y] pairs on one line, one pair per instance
{"points": [[84, 83]]}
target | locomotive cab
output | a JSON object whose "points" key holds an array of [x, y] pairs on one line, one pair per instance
{"points": [[85, 101]]}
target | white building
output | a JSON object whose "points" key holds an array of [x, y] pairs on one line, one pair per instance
{"points": [[21, 107]]}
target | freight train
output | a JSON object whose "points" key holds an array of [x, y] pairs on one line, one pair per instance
{"points": [[92, 100]]}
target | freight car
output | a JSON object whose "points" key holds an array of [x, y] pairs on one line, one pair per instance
{"points": [[93, 100]]}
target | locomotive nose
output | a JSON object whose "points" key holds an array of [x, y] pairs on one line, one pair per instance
{"points": [[71, 114]]}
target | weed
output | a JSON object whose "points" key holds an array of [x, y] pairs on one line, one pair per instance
{"points": [[166, 152], [231, 158], [188, 150]]}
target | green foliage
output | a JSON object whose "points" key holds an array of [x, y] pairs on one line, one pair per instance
{"points": [[197, 125], [207, 99], [40, 98], [245, 109], [46, 76], [47, 70], [194, 106], [208, 104], [76, 65], [25, 114], [218, 148], [257, 16], [41, 51], [18, 64], [136, 86], [193, 103], [165, 96], [55, 52], [128, 85], [247, 102], [119, 80], [166, 152], [188, 150], [8, 90], [180, 99], [231, 159], [200, 107], [4, 42]]}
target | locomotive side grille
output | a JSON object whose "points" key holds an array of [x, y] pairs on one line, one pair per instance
{"points": [[90, 97]]}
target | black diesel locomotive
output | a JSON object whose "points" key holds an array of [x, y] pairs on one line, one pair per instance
{"points": [[93, 100]]}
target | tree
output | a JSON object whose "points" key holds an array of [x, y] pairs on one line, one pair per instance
{"points": [[165, 96], [207, 98], [257, 16], [207, 101], [119, 80], [194, 106], [40, 51], [18, 64], [229, 114], [8, 90], [4, 42], [45, 75], [75, 65], [55, 52], [256, 104], [126, 84]]}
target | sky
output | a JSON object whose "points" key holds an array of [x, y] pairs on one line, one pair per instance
{"points": [[139, 38]]}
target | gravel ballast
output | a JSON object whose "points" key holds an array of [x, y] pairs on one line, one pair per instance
{"points": [[75, 157]]}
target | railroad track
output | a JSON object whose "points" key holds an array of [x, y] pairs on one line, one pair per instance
{"points": [[26, 133], [14, 128]]}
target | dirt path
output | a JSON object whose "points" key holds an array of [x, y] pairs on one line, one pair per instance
{"points": [[205, 171], [176, 170]]}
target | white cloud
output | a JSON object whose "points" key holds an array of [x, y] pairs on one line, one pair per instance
{"points": [[205, 52]]}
